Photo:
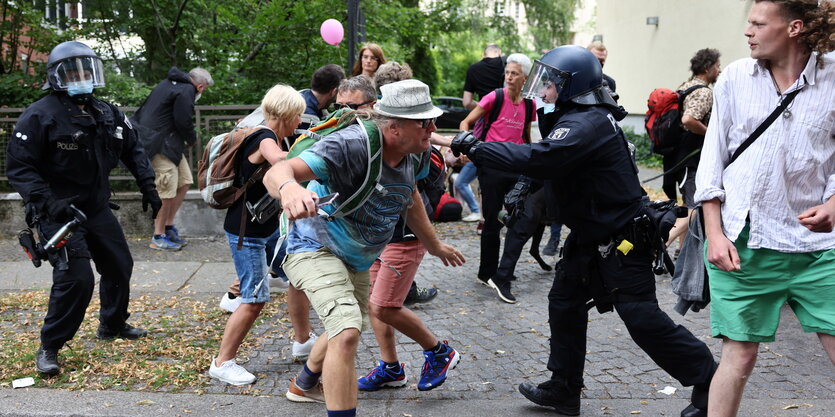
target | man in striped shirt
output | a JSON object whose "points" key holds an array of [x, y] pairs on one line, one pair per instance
{"points": [[769, 216]]}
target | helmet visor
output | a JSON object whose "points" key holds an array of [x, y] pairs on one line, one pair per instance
{"points": [[84, 69], [545, 83]]}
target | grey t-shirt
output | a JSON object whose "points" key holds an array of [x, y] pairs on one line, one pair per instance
{"points": [[340, 162]]}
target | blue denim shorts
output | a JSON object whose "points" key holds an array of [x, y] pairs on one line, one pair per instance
{"points": [[251, 265]]}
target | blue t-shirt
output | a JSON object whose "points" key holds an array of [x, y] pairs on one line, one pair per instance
{"points": [[340, 161]]}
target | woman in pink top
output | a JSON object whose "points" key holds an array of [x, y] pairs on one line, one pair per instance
{"points": [[509, 126]]}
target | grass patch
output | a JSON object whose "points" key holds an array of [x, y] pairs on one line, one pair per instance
{"points": [[183, 335]]}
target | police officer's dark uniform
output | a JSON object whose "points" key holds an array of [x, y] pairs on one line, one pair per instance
{"points": [[61, 152], [593, 180]]}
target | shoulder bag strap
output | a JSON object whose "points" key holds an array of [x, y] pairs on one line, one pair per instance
{"points": [[765, 124]]}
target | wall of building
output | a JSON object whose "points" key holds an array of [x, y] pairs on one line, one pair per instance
{"points": [[643, 57]]}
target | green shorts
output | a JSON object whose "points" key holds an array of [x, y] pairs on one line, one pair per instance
{"points": [[746, 303], [338, 295]]}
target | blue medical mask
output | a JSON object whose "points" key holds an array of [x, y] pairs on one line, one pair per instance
{"points": [[549, 108], [78, 88]]}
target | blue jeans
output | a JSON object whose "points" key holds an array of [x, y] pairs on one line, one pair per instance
{"points": [[462, 186], [251, 264]]}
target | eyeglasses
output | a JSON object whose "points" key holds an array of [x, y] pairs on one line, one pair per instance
{"points": [[425, 123], [352, 106]]}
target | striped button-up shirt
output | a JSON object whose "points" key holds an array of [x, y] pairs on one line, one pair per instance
{"points": [[787, 170]]}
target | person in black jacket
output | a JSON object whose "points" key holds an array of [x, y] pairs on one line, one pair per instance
{"points": [[59, 156], [166, 128], [589, 172]]}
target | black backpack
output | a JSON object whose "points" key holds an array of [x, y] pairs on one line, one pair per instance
{"points": [[482, 126], [663, 118]]}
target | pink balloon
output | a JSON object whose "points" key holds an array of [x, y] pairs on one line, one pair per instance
{"points": [[332, 31]]}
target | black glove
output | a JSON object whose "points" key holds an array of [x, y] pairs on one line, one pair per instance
{"points": [[463, 142], [58, 209], [151, 197], [514, 201]]}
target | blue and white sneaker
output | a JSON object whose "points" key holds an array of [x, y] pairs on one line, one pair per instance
{"points": [[380, 377], [174, 236], [437, 366], [164, 243]]}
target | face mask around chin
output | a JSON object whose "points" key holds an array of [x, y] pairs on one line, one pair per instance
{"points": [[79, 88], [549, 108], [197, 97]]}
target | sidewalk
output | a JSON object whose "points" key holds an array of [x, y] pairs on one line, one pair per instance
{"points": [[502, 345]]}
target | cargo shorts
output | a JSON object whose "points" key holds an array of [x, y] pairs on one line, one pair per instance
{"points": [[338, 295]]}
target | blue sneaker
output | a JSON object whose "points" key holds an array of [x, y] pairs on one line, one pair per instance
{"points": [[380, 377], [174, 236], [437, 366], [164, 243]]}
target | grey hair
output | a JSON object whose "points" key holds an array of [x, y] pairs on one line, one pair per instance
{"points": [[201, 76], [390, 72], [522, 60], [359, 83], [384, 121], [492, 49]]}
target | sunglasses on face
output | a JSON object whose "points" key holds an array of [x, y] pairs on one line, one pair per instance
{"points": [[351, 105], [425, 123]]}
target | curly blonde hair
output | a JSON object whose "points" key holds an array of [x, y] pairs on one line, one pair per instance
{"points": [[818, 17]]}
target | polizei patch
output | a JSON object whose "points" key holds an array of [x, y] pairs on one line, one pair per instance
{"points": [[559, 134]]}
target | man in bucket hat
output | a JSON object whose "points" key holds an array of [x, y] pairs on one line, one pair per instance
{"points": [[329, 258]]}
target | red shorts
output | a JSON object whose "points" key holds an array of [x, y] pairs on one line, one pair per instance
{"points": [[392, 279]]}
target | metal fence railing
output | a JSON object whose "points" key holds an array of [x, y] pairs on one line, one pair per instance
{"points": [[209, 121]]}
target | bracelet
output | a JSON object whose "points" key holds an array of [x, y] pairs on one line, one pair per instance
{"points": [[285, 183]]}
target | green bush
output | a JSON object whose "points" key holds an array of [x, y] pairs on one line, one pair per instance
{"points": [[643, 154]]}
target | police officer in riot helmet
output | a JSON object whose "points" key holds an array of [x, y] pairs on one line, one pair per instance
{"points": [[59, 158], [592, 182]]}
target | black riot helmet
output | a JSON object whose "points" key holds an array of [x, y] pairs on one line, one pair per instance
{"points": [[71, 64], [571, 74]]}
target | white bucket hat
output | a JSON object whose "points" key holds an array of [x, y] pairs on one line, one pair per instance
{"points": [[407, 99]]}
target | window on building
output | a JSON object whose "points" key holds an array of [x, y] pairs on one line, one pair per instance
{"points": [[500, 8]]}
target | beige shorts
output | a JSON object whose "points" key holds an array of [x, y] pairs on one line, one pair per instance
{"points": [[170, 177], [339, 295]]}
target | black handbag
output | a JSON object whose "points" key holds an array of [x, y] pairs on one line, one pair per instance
{"points": [[690, 280]]}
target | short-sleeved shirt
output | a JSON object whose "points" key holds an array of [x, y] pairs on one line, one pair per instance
{"points": [[485, 76], [339, 162], [509, 126], [232, 222], [697, 104]]}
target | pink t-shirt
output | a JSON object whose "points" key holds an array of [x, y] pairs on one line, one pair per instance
{"points": [[509, 126]]}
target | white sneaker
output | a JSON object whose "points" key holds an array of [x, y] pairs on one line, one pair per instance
{"points": [[472, 217], [231, 373], [302, 350], [279, 284], [229, 304]]}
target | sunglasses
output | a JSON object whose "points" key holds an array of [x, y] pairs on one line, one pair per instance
{"points": [[351, 105], [425, 123]]}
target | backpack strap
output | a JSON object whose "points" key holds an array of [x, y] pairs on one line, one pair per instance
{"points": [[526, 131], [373, 170], [692, 88], [494, 112]]}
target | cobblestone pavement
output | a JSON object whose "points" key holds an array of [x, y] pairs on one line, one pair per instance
{"points": [[503, 345]]}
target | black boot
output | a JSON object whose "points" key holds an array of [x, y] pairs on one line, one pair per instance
{"points": [[699, 398], [126, 332], [46, 361], [554, 393]]}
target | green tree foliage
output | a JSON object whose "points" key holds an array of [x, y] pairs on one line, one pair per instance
{"points": [[550, 21], [23, 33], [250, 45]]}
